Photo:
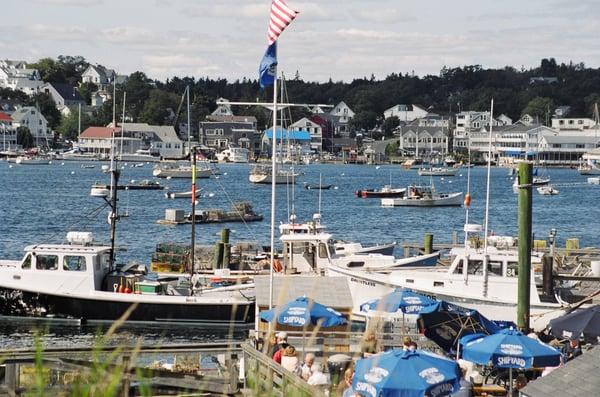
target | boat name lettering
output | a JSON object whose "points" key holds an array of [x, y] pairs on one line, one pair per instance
{"points": [[367, 388], [440, 390], [363, 282], [511, 361], [296, 311], [190, 299], [432, 375]]}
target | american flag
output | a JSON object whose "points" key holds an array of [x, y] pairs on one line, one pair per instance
{"points": [[281, 16]]}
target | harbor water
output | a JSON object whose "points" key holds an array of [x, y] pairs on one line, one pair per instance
{"points": [[40, 204]]}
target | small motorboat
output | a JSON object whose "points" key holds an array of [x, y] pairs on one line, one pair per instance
{"points": [[547, 190], [88, 166], [424, 196], [174, 195], [309, 186], [437, 171], [387, 191]]}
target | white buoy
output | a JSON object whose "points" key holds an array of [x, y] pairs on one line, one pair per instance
{"points": [[132, 181], [62, 163], [216, 176], [10, 166], [343, 174], [168, 178], [211, 195], [378, 167], [72, 172], [335, 188], [224, 173]]}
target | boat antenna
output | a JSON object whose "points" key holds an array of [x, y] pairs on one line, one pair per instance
{"points": [[273, 187], [487, 193], [320, 188], [114, 180]]}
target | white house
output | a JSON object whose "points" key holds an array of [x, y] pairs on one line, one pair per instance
{"points": [[343, 111], [565, 149], [223, 108], [160, 138], [573, 123], [16, 76], [33, 119], [314, 129], [98, 75], [405, 112], [64, 95], [422, 140]]}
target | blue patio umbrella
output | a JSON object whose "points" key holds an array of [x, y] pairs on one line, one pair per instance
{"points": [[446, 323], [303, 311], [509, 348], [399, 373], [405, 300]]}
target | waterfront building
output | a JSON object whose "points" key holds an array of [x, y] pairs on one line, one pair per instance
{"points": [[422, 141], [219, 135], [8, 131], [340, 116], [159, 140], [223, 108], [468, 123], [563, 149], [35, 121], [315, 131], [581, 124], [294, 143]]}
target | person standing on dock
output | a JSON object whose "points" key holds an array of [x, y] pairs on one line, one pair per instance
{"points": [[281, 345]]}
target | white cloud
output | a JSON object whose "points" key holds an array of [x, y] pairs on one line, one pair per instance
{"points": [[76, 3]]}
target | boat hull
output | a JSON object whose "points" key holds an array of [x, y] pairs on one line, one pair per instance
{"points": [[451, 200], [266, 179], [110, 310], [397, 193]]}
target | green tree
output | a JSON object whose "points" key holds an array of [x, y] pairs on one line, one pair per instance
{"points": [[24, 137], [50, 70], [391, 149], [69, 126], [389, 125], [540, 108], [156, 108], [47, 107], [72, 67], [86, 90], [363, 121], [590, 103]]}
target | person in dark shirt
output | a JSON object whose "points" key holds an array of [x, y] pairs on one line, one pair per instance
{"points": [[571, 350]]}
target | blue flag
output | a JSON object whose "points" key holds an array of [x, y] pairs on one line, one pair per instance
{"points": [[268, 67]]}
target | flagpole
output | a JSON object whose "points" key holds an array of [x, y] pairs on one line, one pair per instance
{"points": [[273, 186]]}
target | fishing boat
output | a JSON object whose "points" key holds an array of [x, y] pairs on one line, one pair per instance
{"points": [[386, 191], [80, 279], [437, 171], [77, 154], [537, 181], [424, 196], [233, 155], [180, 170], [547, 190], [262, 174], [145, 184], [33, 160], [146, 155]]}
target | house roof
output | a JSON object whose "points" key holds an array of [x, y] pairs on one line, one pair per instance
{"points": [[99, 132], [576, 378], [166, 133], [5, 117], [304, 122], [22, 113], [329, 291], [231, 118], [66, 91], [574, 139], [294, 135]]}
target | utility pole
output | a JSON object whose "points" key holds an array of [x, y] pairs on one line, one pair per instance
{"points": [[525, 179]]}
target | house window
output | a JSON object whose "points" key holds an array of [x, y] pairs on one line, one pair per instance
{"points": [[579, 146], [177, 146], [74, 263], [167, 145], [46, 262]]}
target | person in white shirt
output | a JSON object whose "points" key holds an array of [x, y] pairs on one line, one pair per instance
{"points": [[309, 360], [317, 378]]}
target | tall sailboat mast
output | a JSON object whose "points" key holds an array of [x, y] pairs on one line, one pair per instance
{"points": [[273, 195], [114, 179], [193, 159]]}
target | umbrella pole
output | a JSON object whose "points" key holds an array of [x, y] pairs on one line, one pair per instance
{"points": [[510, 385]]}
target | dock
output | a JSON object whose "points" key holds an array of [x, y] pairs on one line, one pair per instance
{"points": [[240, 212]]}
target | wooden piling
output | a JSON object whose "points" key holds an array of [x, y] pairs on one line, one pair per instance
{"points": [[525, 180], [428, 243]]}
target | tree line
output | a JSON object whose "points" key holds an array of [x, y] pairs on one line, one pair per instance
{"points": [[460, 88]]}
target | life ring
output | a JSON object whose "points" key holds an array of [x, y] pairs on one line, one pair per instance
{"points": [[277, 266]]}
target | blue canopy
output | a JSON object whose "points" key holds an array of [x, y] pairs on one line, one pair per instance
{"points": [[407, 301], [399, 373], [302, 312], [445, 324], [510, 348], [282, 133]]}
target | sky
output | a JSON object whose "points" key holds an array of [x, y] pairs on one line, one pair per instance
{"points": [[338, 39]]}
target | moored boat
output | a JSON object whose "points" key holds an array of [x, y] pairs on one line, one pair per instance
{"points": [[424, 196], [180, 170], [547, 190], [262, 174], [386, 191], [437, 171]]}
